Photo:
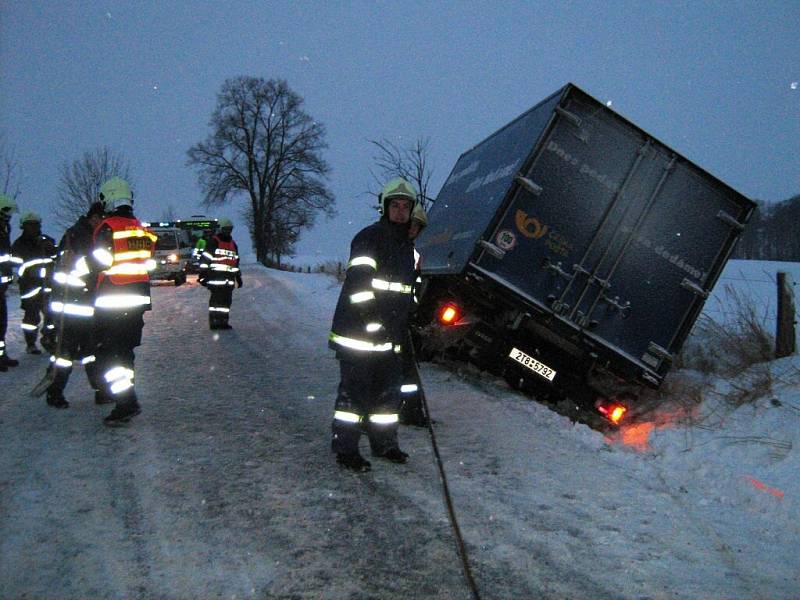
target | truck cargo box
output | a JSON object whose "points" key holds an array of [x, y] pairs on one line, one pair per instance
{"points": [[600, 235]]}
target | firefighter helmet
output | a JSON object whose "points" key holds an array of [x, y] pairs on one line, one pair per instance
{"points": [[29, 217], [7, 205], [116, 192], [225, 222], [419, 214], [397, 187]]}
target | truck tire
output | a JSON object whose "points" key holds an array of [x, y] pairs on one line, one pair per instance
{"points": [[180, 279]]}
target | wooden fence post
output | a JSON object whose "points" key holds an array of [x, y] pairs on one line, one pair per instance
{"points": [[785, 327]]}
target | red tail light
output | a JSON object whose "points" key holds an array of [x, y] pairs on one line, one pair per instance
{"points": [[449, 314], [613, 411]]}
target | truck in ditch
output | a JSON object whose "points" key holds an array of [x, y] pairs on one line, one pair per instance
{"points": [[571, 252]]}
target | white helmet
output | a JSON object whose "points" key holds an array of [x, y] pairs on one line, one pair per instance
{"points": [[29, 217], [116, 192], [397, 187]]}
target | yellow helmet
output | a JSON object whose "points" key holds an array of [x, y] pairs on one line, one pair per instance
{"points": [[116, 192], [397, 187], [7, 205], [29, 217], [419, 214]]}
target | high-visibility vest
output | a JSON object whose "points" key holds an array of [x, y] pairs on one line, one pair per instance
{"points": [[133, 248], [124, 283], [225, 253]]}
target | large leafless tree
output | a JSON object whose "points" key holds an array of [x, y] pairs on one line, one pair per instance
{"points": [[79, 182], [10, 178], [265, 146], [412, 163]]}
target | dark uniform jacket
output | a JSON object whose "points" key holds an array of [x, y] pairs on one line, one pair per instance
{"points": [[36, 253], [219, 262], [71, 283], [371, 315], [6, 264]]}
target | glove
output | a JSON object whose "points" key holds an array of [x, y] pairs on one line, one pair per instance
{"points": [[239, 281], [201, 280]]}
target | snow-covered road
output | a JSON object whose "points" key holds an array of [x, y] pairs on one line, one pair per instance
{"points": [[224, 486]]}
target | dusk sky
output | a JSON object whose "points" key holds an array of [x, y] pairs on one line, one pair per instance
{"points": [[716, 81]]}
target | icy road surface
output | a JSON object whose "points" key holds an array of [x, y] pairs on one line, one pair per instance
{"points": [[224, 486]]}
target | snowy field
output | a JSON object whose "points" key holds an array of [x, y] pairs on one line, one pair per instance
{"points": [[224, 486]]}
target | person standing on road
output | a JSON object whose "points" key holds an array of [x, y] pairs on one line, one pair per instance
{"points": [[369, 328], [36, 252], [7, 265], [72, 309], [121, 259], [219, 272], [411, 411]]}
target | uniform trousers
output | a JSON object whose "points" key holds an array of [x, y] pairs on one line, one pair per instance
{"points": [[117, 333], [219, 304], [369, 389], [76, 344], [32, 308]]}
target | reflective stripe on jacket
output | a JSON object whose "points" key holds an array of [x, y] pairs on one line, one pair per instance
{"points": [[123, 249], [372, 312]]}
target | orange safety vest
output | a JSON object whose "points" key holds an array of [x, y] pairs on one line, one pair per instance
{"points": [[133, 247], [226, 253]]}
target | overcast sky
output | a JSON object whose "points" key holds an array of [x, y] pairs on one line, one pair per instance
{"points": [[717, 81]]}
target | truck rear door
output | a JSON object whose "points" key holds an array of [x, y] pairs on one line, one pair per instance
{"points": [[613, 233]]}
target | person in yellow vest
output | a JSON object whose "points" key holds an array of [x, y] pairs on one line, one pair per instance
{"points": [[121, 259], [219, 272]]}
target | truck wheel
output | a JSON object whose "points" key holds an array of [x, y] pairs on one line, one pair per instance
{"points": [[180, 279]]}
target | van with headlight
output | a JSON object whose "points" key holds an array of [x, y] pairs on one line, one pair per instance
{"points": [[172, 255]]}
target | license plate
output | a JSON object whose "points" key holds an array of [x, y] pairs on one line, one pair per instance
{"points": [[534, 365]]}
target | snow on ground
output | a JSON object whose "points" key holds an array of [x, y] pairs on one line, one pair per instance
{"points": [[224, 486]]}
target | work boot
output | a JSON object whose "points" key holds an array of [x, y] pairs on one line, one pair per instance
{"points": [[101, 398], [394, 455], [57, 400], [7, 361], [122, 414], [353, 461], [32, 349]]}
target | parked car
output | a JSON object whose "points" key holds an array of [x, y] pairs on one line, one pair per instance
{"points": [[172, 255]]}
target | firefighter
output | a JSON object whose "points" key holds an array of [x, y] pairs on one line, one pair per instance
{"points": [[121, 259], [36, 252], [7, 266], [369, 329], [411, 411], [219, 272], [71, 309]]}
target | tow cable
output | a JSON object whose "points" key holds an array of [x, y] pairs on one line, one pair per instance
{"points": [[451, 513]]}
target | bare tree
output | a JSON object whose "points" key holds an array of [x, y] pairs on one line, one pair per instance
{"points": [[9, 170], [168, 214], [80, 181], [411, 163], [265, 146]]}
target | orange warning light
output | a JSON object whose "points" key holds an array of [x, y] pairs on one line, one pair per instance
{"points": [[449, 314], [613, 411]]}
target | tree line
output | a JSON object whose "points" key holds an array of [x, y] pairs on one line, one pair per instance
{"points": [[262, 147], [771, 233]]}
